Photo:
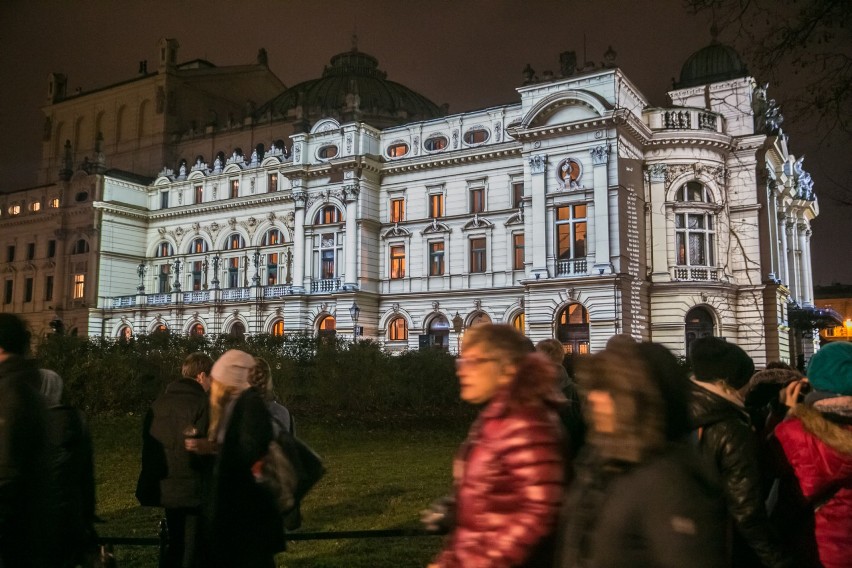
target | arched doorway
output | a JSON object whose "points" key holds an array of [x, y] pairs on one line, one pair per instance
{"points": [[572, 328], [437, 335], [698, 323], [327, 327], [238, 330]]}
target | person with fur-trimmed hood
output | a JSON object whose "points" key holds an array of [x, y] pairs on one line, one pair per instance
{"points": [[724, 433], [817, 442]]}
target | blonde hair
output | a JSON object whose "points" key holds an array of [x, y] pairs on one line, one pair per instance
{"points": [[260, 377], [220, 396]]}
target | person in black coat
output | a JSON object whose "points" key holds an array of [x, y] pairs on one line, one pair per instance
{"points": [[24, 512], [247, 529], [72, 473], [172, 477], [642, 496], [724, 433]]}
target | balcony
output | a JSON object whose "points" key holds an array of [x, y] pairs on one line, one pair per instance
{"points": [[236, 294], [325, 285], [571, 267], [689, 273], [196, 297], [158, 299], [123, 302], [277, 291], [683, 119]]}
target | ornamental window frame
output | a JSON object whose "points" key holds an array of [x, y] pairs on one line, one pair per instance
{"points": [[398, 329], [396, 261], [574, 222], [695, 224]]}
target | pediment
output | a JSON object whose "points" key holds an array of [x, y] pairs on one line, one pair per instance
{"points": [[566, 106]]}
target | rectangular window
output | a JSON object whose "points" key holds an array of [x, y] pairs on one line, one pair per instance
{"points": [[199, 194], [477, 254], [48, 287], [397, 262], [28, 290], [30, 251], [477, 200], [272, 183], [436, 258], [10, 253], [436, 205], [397, 210], [694, 239], [234, 272], [79, 286], [518, 251], [272, 269], [164, 200], [517, 194], [163, 284], [196, 274], [7, 291], [327, 264], [235, 189], [571, 231], [51, 248]]}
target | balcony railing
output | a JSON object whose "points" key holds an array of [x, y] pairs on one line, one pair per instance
{"points": [[693, 273], [683, 119], [325, 285], [124, 302], [571, 267], [196, 296], [277, 290], [236, 294], [158, 299]]}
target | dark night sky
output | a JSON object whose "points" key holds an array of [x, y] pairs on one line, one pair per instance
{"points": [[468, 53]]}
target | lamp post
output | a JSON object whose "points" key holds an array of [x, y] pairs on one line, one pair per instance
{"points": [[140, 272], [354, 313], [458, 327]]}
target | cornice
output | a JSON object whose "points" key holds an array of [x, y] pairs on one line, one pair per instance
{"points": [[431, 161], [690, 138], [550, 130]]}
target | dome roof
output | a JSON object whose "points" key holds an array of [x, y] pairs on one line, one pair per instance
{"points": [[352, 88], [711, 64]]}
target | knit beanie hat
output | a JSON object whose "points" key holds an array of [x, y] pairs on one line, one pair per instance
{"points": [[830, 369], [232, 369], [713, 358]]}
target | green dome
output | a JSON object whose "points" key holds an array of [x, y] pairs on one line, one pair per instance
{"points": [[352, 88], [714, 63]]}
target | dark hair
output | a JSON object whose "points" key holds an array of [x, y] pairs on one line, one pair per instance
{"points": [[196, 363], [713, 359], [664, 370], [535, 373], [553, 348], [14, 335]]}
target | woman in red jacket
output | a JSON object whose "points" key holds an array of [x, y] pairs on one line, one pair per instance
{"points": [[817, 443], [508, 473]]}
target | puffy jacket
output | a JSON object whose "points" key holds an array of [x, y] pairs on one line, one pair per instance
{"points": [[727, 439], [818, 446], [508, 481]]}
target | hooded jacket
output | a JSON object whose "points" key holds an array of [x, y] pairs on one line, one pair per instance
{"points": [[725, 437], [817, 442]]}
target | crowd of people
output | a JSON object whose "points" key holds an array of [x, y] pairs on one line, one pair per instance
{"points": [[619, 458]]}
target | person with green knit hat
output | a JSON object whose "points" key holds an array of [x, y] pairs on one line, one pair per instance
{"points": [[816, 439]]}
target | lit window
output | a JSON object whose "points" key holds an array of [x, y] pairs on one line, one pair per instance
{"points": [[397, 210], [397, 262], [35, 206], [235, 241], [277, 328], [164, 249], [328, 324], [436, 258], [14, 209], [198, 245], [234, 189], [571, 231], [436, 205], [272, 269], [397, 150], [694, 226], [327, 215], [272, 183], [54, 203], [199, 194], [327, 152], [196, 273], [435, 143], [519, 322], [477, 200], [477, 254], [517, 194], [79, 286], [398, 329], [518, 251], [272, 237], [81, 247], [476, 136], [327, 269]]}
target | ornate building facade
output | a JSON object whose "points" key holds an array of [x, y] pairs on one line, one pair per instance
{"points": [[578, 212]]}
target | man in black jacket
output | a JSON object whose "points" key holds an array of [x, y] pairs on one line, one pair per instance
{"points": [[723, 432], [172, 477], [23, 458]]}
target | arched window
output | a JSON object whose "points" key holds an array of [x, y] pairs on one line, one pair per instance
{"points": [[695, 230], [277, 328], [327, 152], [238, 330], [476, 136], [439, 333], [397, 150], [435, 143], [328, 215], [519, 322], [479, 319], [572, 328], [164, 249], [398, 329], [198, 245], [698, 323], [234, 242], [327, 327], [197, 330], [272, 237], [81, 246]]}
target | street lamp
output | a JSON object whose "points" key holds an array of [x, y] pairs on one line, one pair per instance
{"points": [[458, 326], [354, 313]]}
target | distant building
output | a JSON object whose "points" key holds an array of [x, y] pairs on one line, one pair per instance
{"points": [[577, 213], [836, 301]]}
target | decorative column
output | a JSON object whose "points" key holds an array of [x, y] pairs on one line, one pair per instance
{"points": [[537, 227], [600, 159], [805, 265], [784, 273], [659, 237], [350, 195], [299, 198], [793, 261]]}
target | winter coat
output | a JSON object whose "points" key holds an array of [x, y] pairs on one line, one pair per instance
{"points": [[727, 439], [818, 446], [172, 476], [23, 465], [508, 484], [247, 529], [666, 512]]}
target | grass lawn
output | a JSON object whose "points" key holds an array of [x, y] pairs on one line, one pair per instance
{"points": [[378, 478]]}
